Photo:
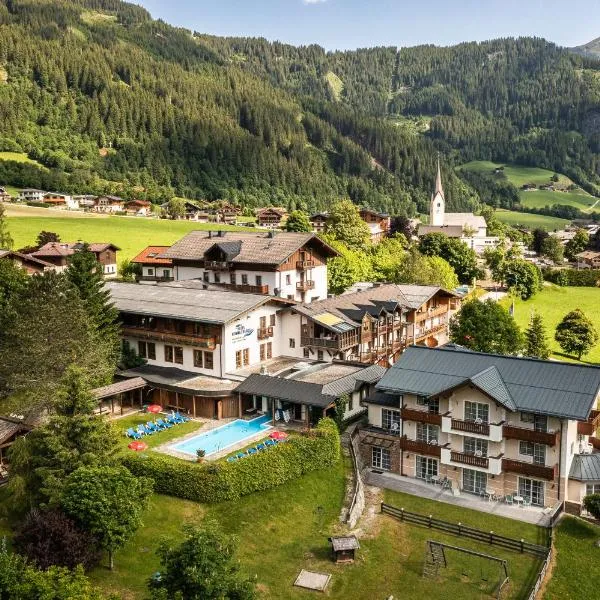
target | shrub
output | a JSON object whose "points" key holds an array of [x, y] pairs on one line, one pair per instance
{"points": [[39, 204], [591, 503], [51, 538], [583, 278], [216, 482]]}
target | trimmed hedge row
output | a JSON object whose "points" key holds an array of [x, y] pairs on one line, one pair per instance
{"points": [[572, 277], [216, 482]]}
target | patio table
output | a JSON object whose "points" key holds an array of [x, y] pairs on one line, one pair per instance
{"points": [[518, 500], [490, 495], [436, 479]]}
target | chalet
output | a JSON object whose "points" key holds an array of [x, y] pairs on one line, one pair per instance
{"points": [[30, 264], [4, 195], [271, 217], [378, 223], [372, 326], [318, 222], [194, 211], [501, 427], [288, 265], [154, 268], [108, 204], [588, 259], [85, 201], [226, 213], [140, 208], [61, 200], [31, 195], [59, 253]]}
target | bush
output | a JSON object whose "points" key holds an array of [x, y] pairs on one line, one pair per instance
{"points": [[591, 503], [39, 204], [216, 482], [583, 278], [51, 538]]}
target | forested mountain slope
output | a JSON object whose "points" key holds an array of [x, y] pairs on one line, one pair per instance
{"points": [[109, 100]]}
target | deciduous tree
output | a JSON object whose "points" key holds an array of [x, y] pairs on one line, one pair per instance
{"points": [[460, 257], [298, 221], [6, 240], [344, 224], [576, 334], [176, 208], [553, 249], [521, 278], [45, 237], [578, 243]]}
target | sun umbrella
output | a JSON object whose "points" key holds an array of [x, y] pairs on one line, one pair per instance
{"points": [[154, 408], [278, 435], [137, 446]]}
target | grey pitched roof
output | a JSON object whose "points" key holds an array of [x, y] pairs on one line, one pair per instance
{"points": [[351, 382], [120, 387], [257, 247], [191, 304], [382, 399], [291, 390], [557, 389], [585, 467]]}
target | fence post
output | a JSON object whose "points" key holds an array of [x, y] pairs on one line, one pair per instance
{"points": [[381, 507], [430, 517], [459, 526], [491, 537], [522, 542], [402, 514]]}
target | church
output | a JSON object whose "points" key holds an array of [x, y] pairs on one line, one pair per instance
{"points": [[469, 228]]}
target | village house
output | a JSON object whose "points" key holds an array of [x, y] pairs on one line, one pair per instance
{"points": [[225, 213], [85, 201], [271, 217], [59, 253], [28, 263], [379, 224], [288, 265], [318, 222], [108, 204], [372, 326], [588, 259], [61, 200], [4, 195], [154, 268], [139, 208], [31, 195], [517, 430]]}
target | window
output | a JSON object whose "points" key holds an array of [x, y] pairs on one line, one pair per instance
{"points": [[293, 343], [272, 320], [199, 359], [351, 402], [232, 279], [474, 481], [262, 352], [244, 279], [527, 417], [319, 354], [205, 276], [432, 404], [263, 322], [168, 353], [142, 351], [475, 446], [390, 419], [476, 411], [259, 280], [150, 271], [426, 467], [151, 348], [306, 353], [178, 355], [422, 401], [246, 356], [269, 350], [532, 489], [288, 280], [381, 459], [290, 296], [428, 433], [537, 451], [217, 277], [208, 360], [592, 488], [180, 326], [238, 359]]}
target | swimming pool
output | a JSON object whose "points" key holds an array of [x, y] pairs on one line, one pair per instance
{"points": [[223, 437]]}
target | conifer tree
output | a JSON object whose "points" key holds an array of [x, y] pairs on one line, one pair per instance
{"points": [[536, 342], [6, 241]]}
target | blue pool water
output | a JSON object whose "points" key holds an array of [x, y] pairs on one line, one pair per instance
{"points": [[223, 437]]}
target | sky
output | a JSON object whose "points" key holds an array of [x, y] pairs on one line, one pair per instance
{"points": [[349, 24]]}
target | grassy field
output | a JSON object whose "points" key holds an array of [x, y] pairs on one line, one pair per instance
{"points": [[518, 175], [19, 157], [543, 198], [575, 575], [553, 303], [521, 219], [131, 234]]}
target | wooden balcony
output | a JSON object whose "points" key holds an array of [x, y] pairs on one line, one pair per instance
{"points": [[471, 460], [334, 344], [264, 333], [512, 432], [470, 427], [304, 286], [171, 337], [430, 313], [529, 469], [590, 426], [423, 333], [216, 265], [420, 416], [420, 447], [244, 287], [302, 265]]}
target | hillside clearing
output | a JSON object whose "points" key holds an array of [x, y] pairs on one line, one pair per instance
{"points": [[19, 157], [518, 175], [530, 220]]}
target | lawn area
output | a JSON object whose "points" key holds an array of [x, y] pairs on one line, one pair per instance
{"points": [[531, 221], [542, 198], [131, 234], [553, 303], [158, 438], [518, 175], [575, 575], [19, 157]]}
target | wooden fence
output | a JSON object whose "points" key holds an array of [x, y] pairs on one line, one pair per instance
{"points": [[486, 537]]}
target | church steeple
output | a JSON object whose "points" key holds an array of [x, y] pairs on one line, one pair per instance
{"points": [[437, 207]]}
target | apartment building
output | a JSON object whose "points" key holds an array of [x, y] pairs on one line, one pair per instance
{"points": [[488, 424], [287, 265], [372, 326]]}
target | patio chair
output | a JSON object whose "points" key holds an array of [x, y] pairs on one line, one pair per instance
{"points": [[232, 459], [132, 433], [142, 430], [277, 415], [252, 450], [526, 501], [183, 418], [269, 443], [240, 455], [151, 426], [172, 419], [163, 424], [508, 499], [260, 447]]}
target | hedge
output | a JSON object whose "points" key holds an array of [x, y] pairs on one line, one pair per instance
{"points": [[219, 481], [38, 204], [583, 278]]}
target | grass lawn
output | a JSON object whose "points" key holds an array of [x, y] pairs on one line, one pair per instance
{"points": [[553, 303], [19, 157], [575, 575], [542, 198], [531, 221], [158, 438], [131, 234], [518, 175]]}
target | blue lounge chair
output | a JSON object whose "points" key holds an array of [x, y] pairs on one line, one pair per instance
{"points": [[152, 426], [181, 418], [162, 424], [172, 419], [232, 459], [241, 454], [252, 450], [132, 433], [270, 443], [260, 446], [142, 430]]}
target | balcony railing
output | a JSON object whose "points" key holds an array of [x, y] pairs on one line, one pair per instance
{"points": [[264, 332], [590, 426], [216, 265], [430, 313], [421, 416], [172, 337], [420, 447], [336, 344], [244, 287], [529, 469], [305, 285], [431, 331], [512, 432], [302, 265], [471, 460], [471, 427], [157, 278]]}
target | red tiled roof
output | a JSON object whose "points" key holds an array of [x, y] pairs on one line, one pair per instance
{"points": [[149, 256]]}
